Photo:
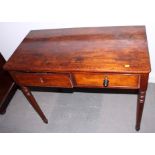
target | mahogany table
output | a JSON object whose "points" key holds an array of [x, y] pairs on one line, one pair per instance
{"points": [[99, 57]]}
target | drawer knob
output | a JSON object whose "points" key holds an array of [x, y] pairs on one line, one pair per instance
{"points": [[106, 82]]}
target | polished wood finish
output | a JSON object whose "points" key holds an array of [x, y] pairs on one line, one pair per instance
{"points": [[103, 57], [104, 49], [7, 87], [115, 80], [141, 99], [140, 106], [44, 79]]}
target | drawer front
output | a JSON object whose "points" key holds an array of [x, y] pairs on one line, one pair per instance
{"points": [[106, 80], [43, 79]]}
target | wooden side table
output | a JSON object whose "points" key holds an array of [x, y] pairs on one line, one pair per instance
{"points": [[7, 87], [103, 57]]}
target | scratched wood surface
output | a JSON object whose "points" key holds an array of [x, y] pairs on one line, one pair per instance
{"points": [[101, 49]]}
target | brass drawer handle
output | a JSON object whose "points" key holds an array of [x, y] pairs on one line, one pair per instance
{"points": [[106, 82]]}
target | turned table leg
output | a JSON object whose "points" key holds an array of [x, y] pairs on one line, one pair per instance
{"points": [[141, 99], [140, 106], [33, 102]]}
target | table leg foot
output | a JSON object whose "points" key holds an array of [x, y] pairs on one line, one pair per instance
{"points": [[137, 128], [3, 112], [45, 121]]}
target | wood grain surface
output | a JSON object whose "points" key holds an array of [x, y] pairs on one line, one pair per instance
{"points": [[103, 49], [100, 57]]}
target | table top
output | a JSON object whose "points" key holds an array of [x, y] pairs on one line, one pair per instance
{"points": [[99, 49]]}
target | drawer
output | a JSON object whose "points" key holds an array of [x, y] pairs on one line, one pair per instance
{"points": [[106, 80], [43, 79]]}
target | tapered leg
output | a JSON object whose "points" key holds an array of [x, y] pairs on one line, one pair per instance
{"points": [[140, 106], [33, 102]]}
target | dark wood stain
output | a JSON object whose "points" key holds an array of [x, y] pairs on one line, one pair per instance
{"points": [[7, 87], [110, 47], [99, 57]]}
